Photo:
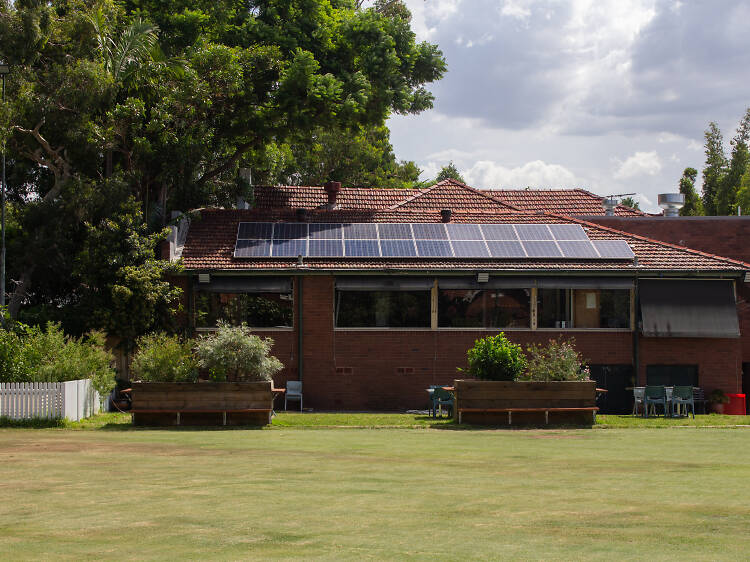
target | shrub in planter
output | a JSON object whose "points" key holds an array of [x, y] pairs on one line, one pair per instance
{"points": [[556, 361], [232, 353], [494, 358], [163, 358]]}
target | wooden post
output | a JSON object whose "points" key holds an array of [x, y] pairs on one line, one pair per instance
{"points": [[434, 305]]}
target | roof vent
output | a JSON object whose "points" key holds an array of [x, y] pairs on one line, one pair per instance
{"points": [[671, 203], [483, 277], [610, 204], [332, 189], [445, 214]]}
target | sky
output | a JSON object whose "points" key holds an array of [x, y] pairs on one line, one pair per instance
{"points": [[609, 95]]}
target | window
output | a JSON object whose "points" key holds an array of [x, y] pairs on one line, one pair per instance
{"points": [[382, 309], [257, 310], [672, 375], [584, 308], [484, 308]]}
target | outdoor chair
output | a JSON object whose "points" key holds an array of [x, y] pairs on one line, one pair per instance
{"points": [[682, 396], [293, 392], [440, 398], [653, 396], [699, 397], [431, 399], [638, 392]]}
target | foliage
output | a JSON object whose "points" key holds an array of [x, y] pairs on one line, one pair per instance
{"points": [[164, 358], [630, 202], [693, 204], [726, 195], [232, 353], [449, 172], [556, 361], [495, 358], [31, 354], [717, 396], [715, 167]]}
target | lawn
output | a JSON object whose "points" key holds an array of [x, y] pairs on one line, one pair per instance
{"points": [[442, 492]]}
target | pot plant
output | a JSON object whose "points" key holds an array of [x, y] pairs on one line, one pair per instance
{"points": [[511, 389], [717, 398]]}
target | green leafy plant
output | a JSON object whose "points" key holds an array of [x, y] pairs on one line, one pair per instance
{"points": [[556, 361], [495, 358], [232, 353], [717, 396], [164, 358]]}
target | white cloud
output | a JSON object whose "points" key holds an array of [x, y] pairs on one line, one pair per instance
{"points": [[488, 174], [639, 164], [516, 9]]}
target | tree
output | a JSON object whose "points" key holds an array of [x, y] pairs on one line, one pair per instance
{"points": [[743, 194], [715, 167], [693, 204], [630, 202], [726, 195], [450, 172]]}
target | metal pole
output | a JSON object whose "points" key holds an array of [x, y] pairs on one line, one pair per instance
{"points": [[2, 252]]}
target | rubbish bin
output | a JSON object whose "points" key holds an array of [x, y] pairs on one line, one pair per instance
{"points": [[736, 406]]}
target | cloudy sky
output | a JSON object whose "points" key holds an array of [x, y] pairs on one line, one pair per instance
{"points": [[609, 95]]}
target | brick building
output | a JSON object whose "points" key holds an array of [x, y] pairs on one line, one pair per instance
{"points": [[372, 295]]}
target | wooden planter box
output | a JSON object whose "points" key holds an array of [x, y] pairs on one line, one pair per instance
{"points": [[525, 403], [210, 403]]}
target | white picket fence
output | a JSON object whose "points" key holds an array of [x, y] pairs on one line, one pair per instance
{"points": [[73, 400]]}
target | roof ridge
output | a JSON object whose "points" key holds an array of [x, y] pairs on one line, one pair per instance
{"points": [[654, 241], [456, 183]]}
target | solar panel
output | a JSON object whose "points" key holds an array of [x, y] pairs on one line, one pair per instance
{"points": [[325, 248], [577, 249], [289, 248], [252, 249], [325, 231], [505, 249], [499, 232], [360, 231], [541, 249], [289, 231], [614, 249], [434, 249], [533, 232], [470, 249], [397, 248], [395, 231], [255, 230], [568, 232], [463, 231], [425, 240], [429, 231], [362, 248]]}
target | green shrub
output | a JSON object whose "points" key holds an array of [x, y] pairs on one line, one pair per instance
{"points": [[12, 366], [556, 361], [232, 353], [494, 358], [163, 358]]}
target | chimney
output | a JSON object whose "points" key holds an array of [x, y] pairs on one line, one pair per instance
{"points": [[301, 215], [610, 204], [332, 189], [445, 214], [671, 203]]}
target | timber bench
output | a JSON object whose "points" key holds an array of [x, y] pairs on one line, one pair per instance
{"points": [[223, 411], [510, 411]]}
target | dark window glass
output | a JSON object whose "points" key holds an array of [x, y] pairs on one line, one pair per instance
{"points": [[553, 310], [257, 310], [489, 308], [601, 308], [672, 375], [382, 309]]}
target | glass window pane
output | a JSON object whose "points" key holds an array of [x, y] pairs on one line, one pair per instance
{"points": [[257, 310], [382, 309], [553, 309], [491, 308]]}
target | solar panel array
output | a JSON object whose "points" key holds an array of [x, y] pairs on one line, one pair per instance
{"points": [[423, 240]]}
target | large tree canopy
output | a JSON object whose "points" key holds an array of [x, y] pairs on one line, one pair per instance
{"points": [[118, 112]]}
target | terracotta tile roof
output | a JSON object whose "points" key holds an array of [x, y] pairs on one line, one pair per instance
{"points": [[454, 195], [574, 202], [311, 197], [211, 239]]}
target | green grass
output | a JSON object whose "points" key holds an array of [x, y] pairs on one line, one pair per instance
{"points": [[380, 494]]}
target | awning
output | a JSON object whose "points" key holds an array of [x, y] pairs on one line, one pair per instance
{"points": [[498, 282], [246, 285], [688, 309], [357, 283]]}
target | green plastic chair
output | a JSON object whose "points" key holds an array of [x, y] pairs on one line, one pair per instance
{"points": [[682, 396], [441, 397], [655, 395]]}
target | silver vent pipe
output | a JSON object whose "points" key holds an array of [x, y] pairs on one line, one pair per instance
{"points": [[671, 203], [610, 204]]}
